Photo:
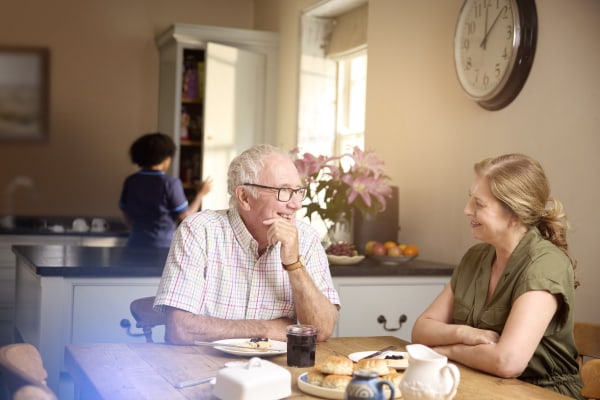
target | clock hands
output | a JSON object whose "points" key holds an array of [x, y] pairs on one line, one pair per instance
{"points": [[484, 41]]}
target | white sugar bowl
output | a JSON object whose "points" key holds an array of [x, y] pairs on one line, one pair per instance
{"points": [[258, 379]]}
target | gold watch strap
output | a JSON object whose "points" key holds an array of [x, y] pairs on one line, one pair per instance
{"points": [[293, 266]]}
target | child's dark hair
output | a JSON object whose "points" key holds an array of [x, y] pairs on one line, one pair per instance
{"points": [[151, 149]]}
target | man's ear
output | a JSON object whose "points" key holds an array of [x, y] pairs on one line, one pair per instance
{"points": [[242, 196]]}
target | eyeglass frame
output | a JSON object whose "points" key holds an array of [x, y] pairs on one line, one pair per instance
{"points": [[291, 191]]}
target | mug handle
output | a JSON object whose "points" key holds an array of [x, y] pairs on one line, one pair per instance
{"points": [[455, 374], [380, 385]]}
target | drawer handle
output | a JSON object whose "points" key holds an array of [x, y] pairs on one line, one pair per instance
{"points": [[381, 319], [125, 324]]}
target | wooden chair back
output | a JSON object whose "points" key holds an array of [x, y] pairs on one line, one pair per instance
{"points": [[590, 376], [21, 366], [587, 340], [145, 316]]}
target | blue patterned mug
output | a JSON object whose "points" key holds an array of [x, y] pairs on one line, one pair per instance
{"points": [[366, 385]]}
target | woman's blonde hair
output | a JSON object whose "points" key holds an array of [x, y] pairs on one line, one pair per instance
{"points": [[519, 182]]}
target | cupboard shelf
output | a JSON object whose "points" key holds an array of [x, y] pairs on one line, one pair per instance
{"points": [[217, 96]]}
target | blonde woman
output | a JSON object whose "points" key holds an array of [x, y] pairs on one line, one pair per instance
{"points": [[508, 309]]}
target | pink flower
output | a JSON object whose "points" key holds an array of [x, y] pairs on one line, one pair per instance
{"points": [[339, 184]]}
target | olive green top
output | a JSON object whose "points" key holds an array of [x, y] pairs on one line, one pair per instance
{"points": [[535, 264]]}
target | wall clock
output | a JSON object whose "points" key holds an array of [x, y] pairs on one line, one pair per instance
{"points": [[494, 45]]}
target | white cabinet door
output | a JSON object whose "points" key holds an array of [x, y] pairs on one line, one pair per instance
{"points": [[7, 275], [235, 92], [365, 300], [99, 309]]}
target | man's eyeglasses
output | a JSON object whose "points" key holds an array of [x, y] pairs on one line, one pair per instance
{"points": [[283, 194]]}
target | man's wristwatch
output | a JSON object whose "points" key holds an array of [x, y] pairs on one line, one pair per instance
{"points": [[293, 266]]}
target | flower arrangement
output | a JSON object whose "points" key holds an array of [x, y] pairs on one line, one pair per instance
{"points": [[339, 184]]}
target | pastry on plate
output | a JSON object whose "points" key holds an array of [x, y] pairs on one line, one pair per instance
{"points": [[337, 365], [314, 377], [394, 378], [377, 365], [334, 381]]}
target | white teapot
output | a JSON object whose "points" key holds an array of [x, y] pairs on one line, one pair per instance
{"points": [[429, 376]]}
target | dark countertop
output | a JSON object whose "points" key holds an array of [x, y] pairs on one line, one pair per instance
{"points": [[414, 267], [79, 261]]}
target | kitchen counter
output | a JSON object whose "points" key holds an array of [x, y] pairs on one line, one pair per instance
{"points": [[81, 261], [414, 267], [58, 260]]}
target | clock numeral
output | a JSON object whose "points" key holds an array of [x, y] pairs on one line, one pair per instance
{"points": [[478, 10], [471, 27], [505, 53], [509, 32], [486, 80], [468, 64], [466, 44], [498, 70], [504, 12]]}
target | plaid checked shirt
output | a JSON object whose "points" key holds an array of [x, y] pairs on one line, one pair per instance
{"points": [[213, 269]]}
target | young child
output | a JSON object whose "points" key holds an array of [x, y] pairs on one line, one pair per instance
{"points": [[153, 202]]}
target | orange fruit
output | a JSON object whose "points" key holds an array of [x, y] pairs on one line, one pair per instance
{"points": [[410, 250], [369, 246], [389, 244]]}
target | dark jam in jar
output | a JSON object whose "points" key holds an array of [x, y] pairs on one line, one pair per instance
{"points": [[301, 345]]}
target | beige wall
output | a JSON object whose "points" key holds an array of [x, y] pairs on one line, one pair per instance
{"points": [[430, 135], [104, 88]]}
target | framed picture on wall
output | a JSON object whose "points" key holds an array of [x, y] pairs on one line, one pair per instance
{"points": [[24, 86]]}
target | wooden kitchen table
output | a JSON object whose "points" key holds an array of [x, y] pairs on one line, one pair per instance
{"points": [[115, 371]]}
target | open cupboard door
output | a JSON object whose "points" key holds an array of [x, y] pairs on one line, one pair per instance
{"points": [[233, 114]]}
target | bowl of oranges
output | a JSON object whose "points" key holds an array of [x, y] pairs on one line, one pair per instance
{"points": [[391, 252]]}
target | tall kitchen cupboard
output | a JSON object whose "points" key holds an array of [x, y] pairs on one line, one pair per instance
{"points": [[217, 97]]}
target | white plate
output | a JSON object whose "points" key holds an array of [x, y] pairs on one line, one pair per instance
{"points": [[344, 260], [327, 393], [319, 391], [392, 260], [277, 347], [396, 364]]}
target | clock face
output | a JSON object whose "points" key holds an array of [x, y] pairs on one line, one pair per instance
{"points": [[485, 46]]}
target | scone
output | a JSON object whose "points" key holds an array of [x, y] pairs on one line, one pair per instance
{"points": [[336, 381], [337, 365], [377, 365], [394, 378], [314, 377]]}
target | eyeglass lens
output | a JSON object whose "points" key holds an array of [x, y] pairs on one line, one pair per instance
{"points": [[285, 194]]}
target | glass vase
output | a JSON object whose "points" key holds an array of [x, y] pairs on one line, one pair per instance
{"points": [[341, 230]]}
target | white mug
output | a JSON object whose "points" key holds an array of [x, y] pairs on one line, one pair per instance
{"points": [[99, 225], [80, 225]]}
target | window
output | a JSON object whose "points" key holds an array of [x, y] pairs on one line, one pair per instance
{"points": [[351, 96], [333, 77]]}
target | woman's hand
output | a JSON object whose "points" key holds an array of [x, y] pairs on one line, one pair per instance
{"points": [[474, 336]]}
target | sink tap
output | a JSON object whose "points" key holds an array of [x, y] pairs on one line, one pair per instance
{"points": [[8, 221]]}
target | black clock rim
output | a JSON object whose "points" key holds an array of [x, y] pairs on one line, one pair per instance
{"points": [[523, 60]]}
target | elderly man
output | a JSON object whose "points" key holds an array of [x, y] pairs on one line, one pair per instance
{"points": [[253, 269]]}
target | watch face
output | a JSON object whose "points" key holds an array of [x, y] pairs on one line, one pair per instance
{"points": [[485, 46]]}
